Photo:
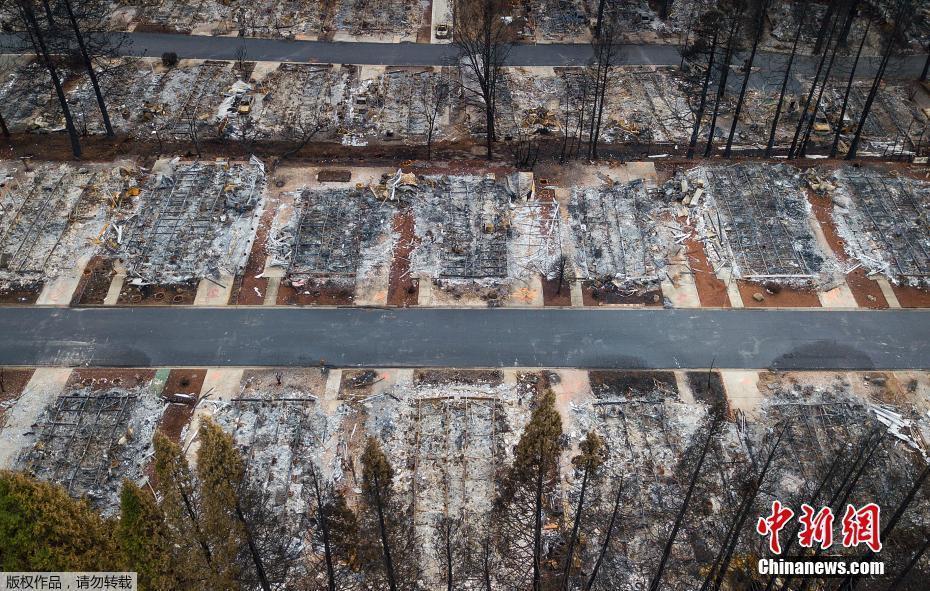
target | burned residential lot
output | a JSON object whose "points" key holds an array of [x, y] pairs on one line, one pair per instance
{"points": [[222, 231], [622, 450]]}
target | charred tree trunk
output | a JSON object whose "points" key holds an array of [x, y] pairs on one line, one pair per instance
{"points": [[823, 87], [537, 529], [896, 584], [746, 510], [742, 90], [566, 573], [852, 76], [873, 91], [606, 543], [35, 33], [89, 65], [253, 549], [6, 133], [849, 582], [722, 88], [696, 131], [385, 544], [324, 529], [667, 551], [810, 97], [784, 87], [923, 75]]}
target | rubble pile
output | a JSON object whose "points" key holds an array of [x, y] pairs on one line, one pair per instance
{"points": [[755, 222], [90, 439], [883, 221], [194, 220]]}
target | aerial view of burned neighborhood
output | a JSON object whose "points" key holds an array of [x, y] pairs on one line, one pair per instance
{"points": [[465, 295]]}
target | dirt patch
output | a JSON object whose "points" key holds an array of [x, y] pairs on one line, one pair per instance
{"points": [[323, 294], [493, 377], [599, 294], [911, 297], [423, 33], [20, 294], [95, 283], [183, 384], [867, 293], [553, 295], [357, 384], [12, 384], [104, 378], [776, 296], [249, 289], [179, 294], [631, 384], [712, 292], [330, 175], [403, 290], [707, 387]]}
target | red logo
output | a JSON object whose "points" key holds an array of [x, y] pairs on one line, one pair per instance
{"points": [[860, 526]]}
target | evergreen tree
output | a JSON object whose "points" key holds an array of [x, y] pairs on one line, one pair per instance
{"points": [[389, 552], [522, 504], [143, 540], [43, 529]]}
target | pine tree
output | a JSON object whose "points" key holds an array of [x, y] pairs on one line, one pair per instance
{"points": [[377, 477], [587, 462], [144, 541], [522, 503], [221, 472], [43, 529], [180, 506]]}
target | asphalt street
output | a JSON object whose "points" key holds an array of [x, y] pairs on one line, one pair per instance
{"points": [[371, 337], [423, 54]]}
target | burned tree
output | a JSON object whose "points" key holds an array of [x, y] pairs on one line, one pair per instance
{"points": [[784, 86], [433, 95], [483, 40], [587, 462], [706, 23], [852, 75], [760, 7], [388, 547], [522, 503], [713, 429], [903, 9], [733, 14], [37, 36], [606, 55]]}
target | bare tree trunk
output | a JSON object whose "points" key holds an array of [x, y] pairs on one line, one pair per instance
{"points": [[3, 127], [722, 88], [910, 566], [923, 75], [567, 571], [742, 91], [537, 529], [784, 87], [667, 551], [810, 97], [35, 33], [385, 544], [852, 76], [802, 150], [696, 131], [324, 528], [88, 64], [746, 510], [849, 582], [811, 501], [606, 542], [253, 549], [876, 83]]}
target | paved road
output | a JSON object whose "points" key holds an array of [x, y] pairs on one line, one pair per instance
{"points": [[421, 54], [752, 339]]}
